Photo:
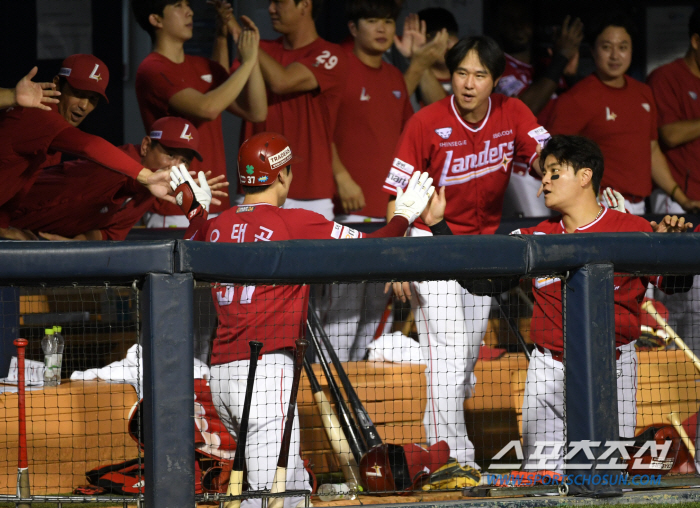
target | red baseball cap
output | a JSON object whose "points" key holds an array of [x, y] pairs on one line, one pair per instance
{"points": [[428, 459], [86, 72], [176, 132]]}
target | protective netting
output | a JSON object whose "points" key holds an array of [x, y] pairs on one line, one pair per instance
{"points": [[76, 422]]}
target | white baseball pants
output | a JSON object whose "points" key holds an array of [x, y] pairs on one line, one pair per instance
{"points": [[273, 384], [543, 406]]}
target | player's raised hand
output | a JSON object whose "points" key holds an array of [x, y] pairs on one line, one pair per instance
{"points": [[224, 13], [435, 211], [432, 51], [411, 202], [411, 30], [249, 41], [671, 224], [215, 185], [33, 95], [570, 38], [614, 200], [188, 195]]}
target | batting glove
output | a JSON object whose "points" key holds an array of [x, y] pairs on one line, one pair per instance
{"points": [[192, 199], [614, 200], [411, 202]]}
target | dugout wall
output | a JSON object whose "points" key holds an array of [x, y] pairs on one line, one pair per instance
{"points": [[166, 273]]}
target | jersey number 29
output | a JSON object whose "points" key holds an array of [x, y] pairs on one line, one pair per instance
{"points": [[227, 293]]}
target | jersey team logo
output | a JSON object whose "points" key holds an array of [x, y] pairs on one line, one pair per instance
{"points": [[206, 77], [444, 133], [457, 170], [646, 107], [94, 75], [693, 95], [397, 93], [609, 115], [185, 134], [363, 95]]}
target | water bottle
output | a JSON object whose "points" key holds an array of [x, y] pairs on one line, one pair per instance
{"points": [[49, 344], [60, 343], [337, 491]]}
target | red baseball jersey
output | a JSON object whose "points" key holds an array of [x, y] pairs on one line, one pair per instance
{"points": [[474, 162], [374, 110], [546, 324], [157, 80], [676, 91], [623, 123], [307, 119], [80, 196], [273, 315], [34, 137]]}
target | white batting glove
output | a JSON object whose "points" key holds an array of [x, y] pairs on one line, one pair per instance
{"points": [[411, 202], [201, 194], [614, 200]]}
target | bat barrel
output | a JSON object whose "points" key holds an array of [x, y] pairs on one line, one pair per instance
{"points": [[21, 344]]}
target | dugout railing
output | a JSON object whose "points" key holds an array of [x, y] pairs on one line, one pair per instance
{"points": [[165, 273]]}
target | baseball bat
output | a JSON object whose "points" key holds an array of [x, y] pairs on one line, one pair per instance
{"points": [[367, 428], [346, 422], [672, 335], [334, 431], [279, 484], [235, 482], [676, 422], [23, 490]]}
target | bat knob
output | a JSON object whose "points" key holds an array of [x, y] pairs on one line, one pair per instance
{"points": [[21, 342], [255, 347]]}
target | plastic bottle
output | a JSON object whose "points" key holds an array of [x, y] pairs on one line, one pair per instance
{"points": [[49, 344], [60, 344], [337, 491]]}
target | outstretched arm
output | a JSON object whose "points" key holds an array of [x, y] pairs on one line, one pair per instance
{"points": [[29, 94]]}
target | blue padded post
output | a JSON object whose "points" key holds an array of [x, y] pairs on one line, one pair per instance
{"points": [[9, 326], [168, 390], [591, 377]]}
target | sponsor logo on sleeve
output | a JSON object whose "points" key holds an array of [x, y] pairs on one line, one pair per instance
{"points": [[444, 132], [337, 228], [349, 233], [540, 135], [280, 158], [206, 77], [403, 166], [397, 178]]}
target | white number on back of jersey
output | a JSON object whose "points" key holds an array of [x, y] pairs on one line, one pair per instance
{"points": [[327, 60], [227, 292]]}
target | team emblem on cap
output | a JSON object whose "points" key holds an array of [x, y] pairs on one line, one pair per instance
{"points": [[65, 71], [156, 134], [444, 133], [185, 134], [94, 75]]}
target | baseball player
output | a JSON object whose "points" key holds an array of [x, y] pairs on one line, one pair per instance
{"points": [[374, 108], [305, 76], [274, 315], [29, 94], [34, 138], [109, 203], [516, 30], [467, 142], [619, 113], [170, 82], [572, 172]]}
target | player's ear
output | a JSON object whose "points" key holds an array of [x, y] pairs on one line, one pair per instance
{"points": [[155, 20], [585, 175], [353, 28], [145, 146]]}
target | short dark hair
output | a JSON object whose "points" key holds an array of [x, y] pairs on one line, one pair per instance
{"points": [[315, 7], [365, 9], [579, 153], [437, 18], [490, 54], [144, 8], [694, 23], [615, 18]]}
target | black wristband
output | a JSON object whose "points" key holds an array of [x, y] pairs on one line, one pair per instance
{"points": [[441, 228], [556, 67]]}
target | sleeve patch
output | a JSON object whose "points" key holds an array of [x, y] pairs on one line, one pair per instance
{"points": [[349, 233], [510, 86], [540, 135], [403, 166], [397, 178], [337, 228]]}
